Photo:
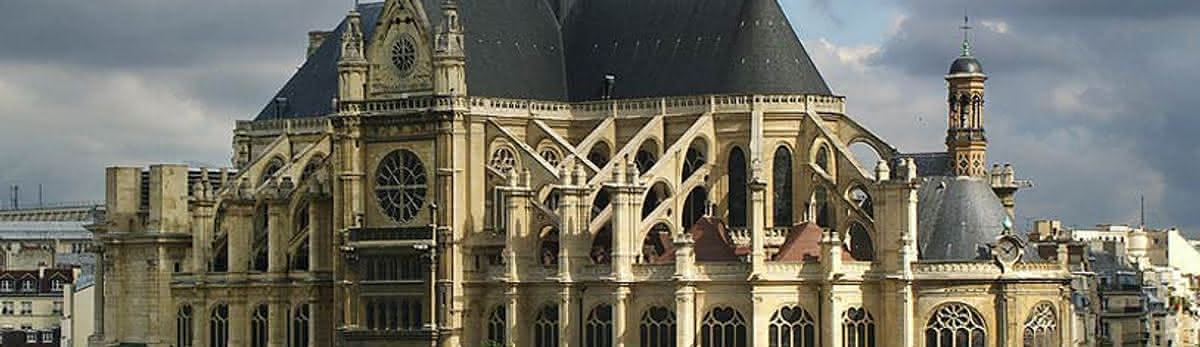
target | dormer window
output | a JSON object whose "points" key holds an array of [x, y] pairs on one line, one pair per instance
{"points": [[57, 285], [27, 286], [6, 285]]}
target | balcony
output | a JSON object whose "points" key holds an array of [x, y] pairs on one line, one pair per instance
{"points": [[391, 234]]}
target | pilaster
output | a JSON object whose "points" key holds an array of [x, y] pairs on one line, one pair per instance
{"points": [[621, 320]]}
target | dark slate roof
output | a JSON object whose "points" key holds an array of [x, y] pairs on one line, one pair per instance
{"points": [[966, 64], [957, 218], [519, 49], [930, 164]]}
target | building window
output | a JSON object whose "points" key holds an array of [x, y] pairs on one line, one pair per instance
{"points": [[394, 313], [694, 207], [598, 331], [692, 161], [599, 154], [792, 326], [260, 260], [821, 212], [300, 327], [551, 156], [218, 326], [822, 159], [258, 326], [28, 286], [861, 246], [545, 327], [400, 185], [497, 325], [31, 336], [737, 188], [782, 186], [183, 327], [8, 308], [6, 286], [26, 308], [47, 337], [56, 308], [858, 328], [658, 328], [503, 160], [1041, 328], [955, 325], [56, 285], [601, 252], [723, 327], [549, 247], [407, 267], [645, 159]]}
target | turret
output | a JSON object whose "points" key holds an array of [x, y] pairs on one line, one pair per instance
{"points": [[965, 140], [352, 66], [449, 55]]}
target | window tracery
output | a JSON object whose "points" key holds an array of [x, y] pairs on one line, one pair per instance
{"points": [[258, 326], [955, 325], [657, 328], [792, 326], [782, 186], [598, 331], [497, 325], [503, 160], [299, 331], [1041, 328], [401, 185], [737, 188], [858, 328], [723, 327], [545, 327], [183, 326], [861, 246], [218, 326]]}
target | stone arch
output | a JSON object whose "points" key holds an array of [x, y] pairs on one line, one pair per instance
{"points": [[1041, 326], [503, 157], [738, 192], [862, 247], [792, 325], [822, 211], [695, 206], [600, 202], [600, 153], [656, 245], [271, 168], [548, 249], [647, 154], [821, 156], [866, 153], [860, 197], [696, 156], [723, 326], [655, 196], [601, 251], [311, 167]]}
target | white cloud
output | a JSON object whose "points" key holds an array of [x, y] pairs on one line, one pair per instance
{"points": [[996, 26]]}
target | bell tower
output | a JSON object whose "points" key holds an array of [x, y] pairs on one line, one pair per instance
{"points": [[965, 140]]}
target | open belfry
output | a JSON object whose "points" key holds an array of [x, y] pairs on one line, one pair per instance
{"points": [[575, 173]]}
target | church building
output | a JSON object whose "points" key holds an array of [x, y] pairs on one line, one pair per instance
{"points": [[554, 173]]}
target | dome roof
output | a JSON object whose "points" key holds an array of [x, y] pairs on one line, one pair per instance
{"points": [[965, 64], [957, 218]]}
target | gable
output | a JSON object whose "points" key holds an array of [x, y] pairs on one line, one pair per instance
{"points": [[399, 53]]}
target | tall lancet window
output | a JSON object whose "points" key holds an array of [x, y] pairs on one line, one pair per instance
{"points": [[964, 112], [782, 184], [737, 188]]}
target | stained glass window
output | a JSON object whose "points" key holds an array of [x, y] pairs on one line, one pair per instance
{"points": [[400, 185]]}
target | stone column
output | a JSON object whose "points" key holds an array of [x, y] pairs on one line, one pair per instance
{"points": [[760, 316], [574, 216], [277, 237], [512, 319], [568, 310], [831, 260], [626, 206], [758, 224], [685, 315], [320, 236], [239, 227]]}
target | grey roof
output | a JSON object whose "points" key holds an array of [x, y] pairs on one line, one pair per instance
{"points": [[957, 218], [44, 230], [965, 64], [930, 164], [520, 49]]}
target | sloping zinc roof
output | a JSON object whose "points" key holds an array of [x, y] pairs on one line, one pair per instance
{"points": [[521, 49], [956, 218]]}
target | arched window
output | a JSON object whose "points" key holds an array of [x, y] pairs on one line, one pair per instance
{"points": [[737, 188], [658, 328], [218, 326], [300, 327], [821, 211], [646, 156], [654, 197], [497, 325], [598, 331], [260, 240], [601, 252], [858, 328], [692, 161], [299, 259], [782, 185], [653, 245], [861, 246], [183, 326], [1041, 328], [551, 156], [600, 202], [311, 167], [300, 218], [694, 207], [723, 327], [549, 247], [862, 200], [822, 159], [269, 171], [503, 159], [955, 325], [964, 111], [551, 201], [599, 154], [545, 327], [792, 326], [220, 249], [258, 326]]}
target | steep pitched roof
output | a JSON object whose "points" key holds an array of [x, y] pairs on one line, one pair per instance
{"points": [[519, 49], [711, 241]]}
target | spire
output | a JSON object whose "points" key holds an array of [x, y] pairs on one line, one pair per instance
{"points": [[449, 55], [966, 43], [352, 37]]}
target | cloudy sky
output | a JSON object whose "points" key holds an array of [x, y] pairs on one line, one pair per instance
{"points": [[1091, 99]]}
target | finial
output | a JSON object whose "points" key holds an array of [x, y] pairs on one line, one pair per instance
{"points": [[966, 44]]}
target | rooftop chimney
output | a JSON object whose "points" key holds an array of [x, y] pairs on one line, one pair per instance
{"points": [[610, 80]]}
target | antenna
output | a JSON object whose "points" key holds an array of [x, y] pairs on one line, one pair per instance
{"points": [[40, 203], [16, 193], [1143, 214]]}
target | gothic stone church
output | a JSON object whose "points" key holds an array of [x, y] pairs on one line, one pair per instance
{"points": [[574, 173]]}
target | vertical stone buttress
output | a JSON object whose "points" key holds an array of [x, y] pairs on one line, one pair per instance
{"points": [[574, 231], [352, 66], [627, 190], [685, 290], [897, 222], [449, 55], [516, 204], [451, 224], [831, 260]]}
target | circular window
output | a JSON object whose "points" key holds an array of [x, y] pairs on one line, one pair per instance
{"points": [[503, 160], [400, 185], [404, 54]]}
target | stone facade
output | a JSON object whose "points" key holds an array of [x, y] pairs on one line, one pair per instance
{"points": [[417, 214]]}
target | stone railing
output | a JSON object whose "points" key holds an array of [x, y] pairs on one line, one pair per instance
{"points": [[771, 237], [595, 271], [856, 267], [1038, 267], [796, 103], [722, 271], [959, 267], [788, 269], [312, 125], [653, 272]]}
